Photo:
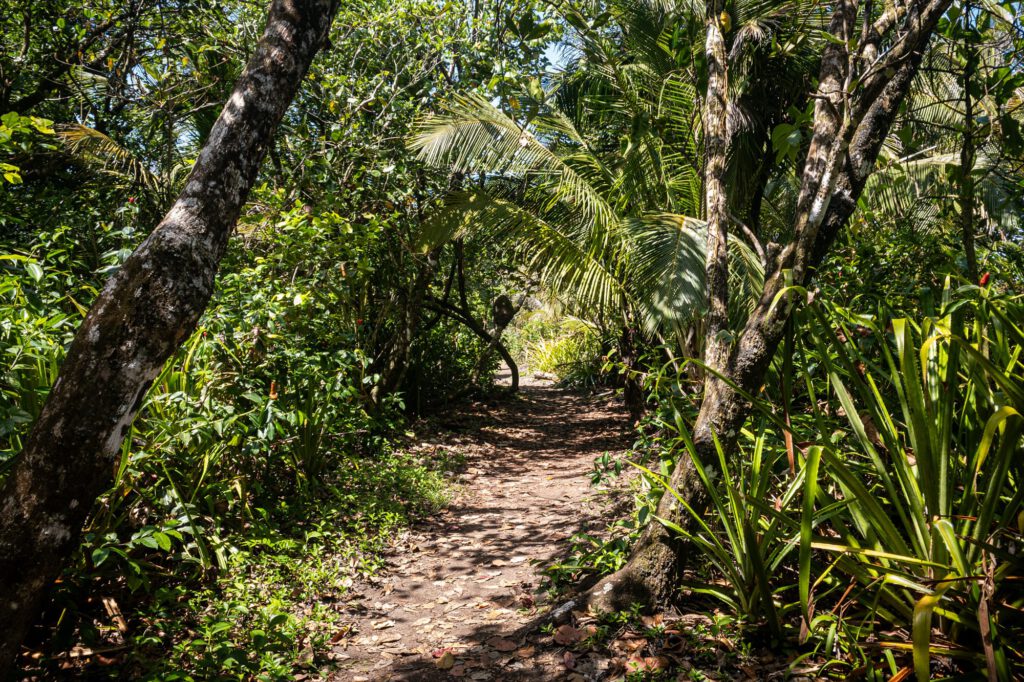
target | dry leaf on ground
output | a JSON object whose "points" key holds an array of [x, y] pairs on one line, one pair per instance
{"points": [[501, 644], [567, 635]]}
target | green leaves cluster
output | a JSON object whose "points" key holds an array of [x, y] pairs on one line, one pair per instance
{"points": [[902, 509]]}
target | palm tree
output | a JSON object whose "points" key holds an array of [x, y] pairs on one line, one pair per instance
{"points": [[597, 182], [565, 212]]}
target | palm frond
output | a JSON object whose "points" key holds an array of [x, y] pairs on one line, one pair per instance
{"points": [[666, 268], [94, 147], [583, 277], [473, 135]]}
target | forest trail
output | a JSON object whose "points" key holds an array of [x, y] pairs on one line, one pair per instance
{"points": [[458, 586]]}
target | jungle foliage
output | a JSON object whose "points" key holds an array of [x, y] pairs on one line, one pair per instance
{"points": [[444, 161]]}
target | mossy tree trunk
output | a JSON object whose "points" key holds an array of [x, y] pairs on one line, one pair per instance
{"points": [[144, 313]]}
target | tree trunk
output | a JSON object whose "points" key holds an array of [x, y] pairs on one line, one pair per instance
{"points": [[632, 383], [848, 134], [716, 198], [143, 314], [652, 572], [503, 312], [967, 154]]}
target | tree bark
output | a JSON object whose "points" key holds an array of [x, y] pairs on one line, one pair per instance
{"points": [[967, 154], [716, 197], [847, 137], [632, 383], [143, 314]]}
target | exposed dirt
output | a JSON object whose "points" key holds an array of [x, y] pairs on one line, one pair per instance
{"points": [[460, 588]]}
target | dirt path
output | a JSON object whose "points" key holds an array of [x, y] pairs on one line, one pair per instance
{"points": [[459, 586]]}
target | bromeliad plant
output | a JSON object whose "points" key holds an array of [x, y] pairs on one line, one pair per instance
{"points": [[920, 501], [752, 530]]}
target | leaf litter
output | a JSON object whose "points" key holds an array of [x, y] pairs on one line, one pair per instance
{"points": [[459, 585]]}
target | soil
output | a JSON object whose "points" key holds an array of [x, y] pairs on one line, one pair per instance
{"points": [[462, 594]]}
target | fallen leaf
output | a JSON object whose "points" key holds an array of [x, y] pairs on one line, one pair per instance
{"points": [[649, 664], [384, 624], [652, 621], [446, 661], [568, 660], [526, 652], [501, 644], [674, 641], [630, 643], [567, 635]]}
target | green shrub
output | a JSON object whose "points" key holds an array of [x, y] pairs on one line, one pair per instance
{"points": [[566, 347], [922, 491], [254, 474]]}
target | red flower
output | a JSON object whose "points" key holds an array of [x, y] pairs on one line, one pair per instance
{"points": [[984, 279], [359, 321], [131, 200]]}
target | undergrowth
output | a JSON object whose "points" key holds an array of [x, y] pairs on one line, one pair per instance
{"points": [[272, 608]]}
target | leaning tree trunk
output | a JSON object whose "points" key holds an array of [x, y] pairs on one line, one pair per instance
{"points": [[143, 314], [464, 317], [848, 135], [502, 314]]}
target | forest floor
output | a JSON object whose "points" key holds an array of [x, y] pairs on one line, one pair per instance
{"points": [[462, 589], [464, 594], [468, 592]]}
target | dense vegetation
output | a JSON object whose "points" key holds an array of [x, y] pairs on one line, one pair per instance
{"points": [[625, 194]]}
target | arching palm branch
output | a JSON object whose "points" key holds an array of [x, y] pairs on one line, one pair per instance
{"points": [[567, 214]]}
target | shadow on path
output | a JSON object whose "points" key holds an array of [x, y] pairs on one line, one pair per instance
{"points": [[461, 589]]}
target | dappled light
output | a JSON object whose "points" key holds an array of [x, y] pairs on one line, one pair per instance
{"points": [[579, 340]]}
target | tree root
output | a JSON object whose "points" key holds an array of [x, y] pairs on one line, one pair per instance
{"points": [[649, 578]]}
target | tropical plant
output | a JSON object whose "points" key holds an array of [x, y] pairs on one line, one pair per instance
{"points": [[753, 528], [922, 495]]}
